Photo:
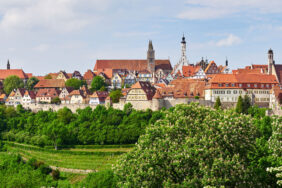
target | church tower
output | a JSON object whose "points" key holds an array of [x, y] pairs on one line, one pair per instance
{"points": [[8, 65], [270, 61], [151, 58], [183, 60]]}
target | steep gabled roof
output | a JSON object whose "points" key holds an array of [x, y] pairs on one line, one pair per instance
{"points": [[131, 65], [31, 94], [4, 73], [89, 75], [146, 87], [278, 69], [51, 92], [50, 83]]}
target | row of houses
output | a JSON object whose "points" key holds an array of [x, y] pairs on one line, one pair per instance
{"points": [[47, 96]]}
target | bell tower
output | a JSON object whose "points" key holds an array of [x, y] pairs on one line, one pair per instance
{"points": [[8, 65], [151, 58], [270, 61]]}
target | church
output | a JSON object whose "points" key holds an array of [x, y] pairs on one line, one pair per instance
{"points": [[149, 69]]}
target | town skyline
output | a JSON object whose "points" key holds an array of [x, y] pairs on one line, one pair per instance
{"points": [[73, 36]]}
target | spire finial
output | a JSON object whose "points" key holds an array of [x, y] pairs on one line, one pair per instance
{"points": [[8, 65], [150, 45]]}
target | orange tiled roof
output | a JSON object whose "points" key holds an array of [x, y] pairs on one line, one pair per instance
{"points": [[4, 73], [89, 75], [134, 64], [190, 70], [50, 83], [244, 78], [209, 65]]}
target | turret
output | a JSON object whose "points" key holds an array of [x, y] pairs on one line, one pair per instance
{"points": [[8, 65], [270, 61], [183, 51], [151, 58]]}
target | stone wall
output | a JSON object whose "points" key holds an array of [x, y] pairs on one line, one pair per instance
{"points": [[54, 107]]}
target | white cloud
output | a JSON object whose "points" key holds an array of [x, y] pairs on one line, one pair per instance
{"points": [[57, 15], [211, 9], [229, 41]]}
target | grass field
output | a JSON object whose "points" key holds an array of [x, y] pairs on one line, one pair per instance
{"points": [[74, 158]]}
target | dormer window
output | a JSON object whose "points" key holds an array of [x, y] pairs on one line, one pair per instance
{"points": [[226, 85], [255, 85]]}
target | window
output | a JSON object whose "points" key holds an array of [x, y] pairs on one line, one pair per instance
{"points": [[227, 85], [233, 85], [235, 92], [267, 85], [262, 85], [256, 85], [228, 92], [219, 85], [249, 85], [240, 85]]}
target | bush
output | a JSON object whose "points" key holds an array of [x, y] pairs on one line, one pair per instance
{"points": [[55, 174], [104, 178]]}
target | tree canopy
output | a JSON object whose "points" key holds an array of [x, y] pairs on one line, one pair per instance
{"points": [[217, 104], [192, 146], [31, 82], [115, 95], [75, 83], [11, 83], [97, 83]]}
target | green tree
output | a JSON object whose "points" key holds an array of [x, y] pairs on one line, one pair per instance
{"points": [[192, 146], [239, 106], [56, 100], [115, 95], [12, 82], [56, 131], [97, 83], [48, 76], [75, 83], [105, 178], [31, 82], [217, 104], [65, 115], [246, 104]]}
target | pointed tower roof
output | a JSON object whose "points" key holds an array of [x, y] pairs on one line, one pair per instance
{"points": [[150, 45], [183, 40]]}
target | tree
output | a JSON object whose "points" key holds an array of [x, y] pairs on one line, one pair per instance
{"points": [[56, 100], [246, 104], [97, 83], [11, 83], [75, 83], [239, 105], [56, 131], [115, 95], [48, 76], [192, 146], [217, 104], [31, 82]]}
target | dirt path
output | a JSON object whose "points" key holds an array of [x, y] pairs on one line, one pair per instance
{"points": [[70, 170]]}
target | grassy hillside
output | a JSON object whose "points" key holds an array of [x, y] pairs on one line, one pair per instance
{"points": [[87, 158]]}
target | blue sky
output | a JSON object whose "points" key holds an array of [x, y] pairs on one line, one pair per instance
{"points": [[44, 36]]}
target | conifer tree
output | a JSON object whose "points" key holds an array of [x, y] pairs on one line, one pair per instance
{"points": [[217, 104], [239, 106], [246, 104]]}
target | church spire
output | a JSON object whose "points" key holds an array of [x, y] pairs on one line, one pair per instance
{"points": [[8, 65], [151, 57]]}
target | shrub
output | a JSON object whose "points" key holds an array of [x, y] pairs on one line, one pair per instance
{"points": [[55, 174], [104, 178]]}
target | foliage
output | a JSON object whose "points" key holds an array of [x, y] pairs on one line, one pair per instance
{"points": [[97, 83], [55, 174], [56, 100], [31, 82], [99, 126], [217, 104], [15, 173], [257, 112], [246, 104], [197, 97], [11, 83], [48, 76], [239, 106], [115, 95], [192, 146], [104, 178], [75, 83]]}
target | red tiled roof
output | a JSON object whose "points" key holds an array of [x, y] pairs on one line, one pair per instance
{"points": [[89, 75], [77, 92], [102, 95], [50, 83], [40, 77], [4, 73], [247, 71], [51, 92], [137, 65], [190, 70]]}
